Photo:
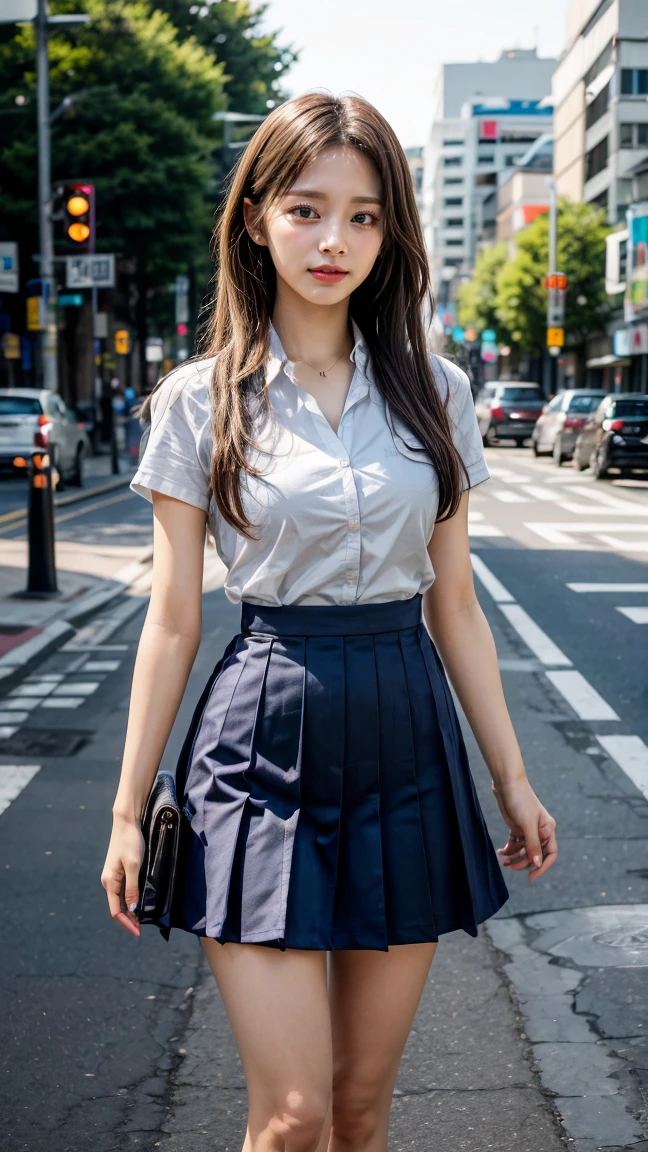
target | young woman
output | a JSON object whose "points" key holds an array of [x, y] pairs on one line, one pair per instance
{"points": [[328, 803]]}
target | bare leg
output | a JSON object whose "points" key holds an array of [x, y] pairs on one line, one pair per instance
{"points": [[278, 1008], [373, 998]]}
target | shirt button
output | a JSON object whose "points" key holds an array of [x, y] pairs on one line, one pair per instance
{"points": [[351, 578], [343, 463], [353, 525]]}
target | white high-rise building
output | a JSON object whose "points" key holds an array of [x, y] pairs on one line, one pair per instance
{"points": [[486, 116]]}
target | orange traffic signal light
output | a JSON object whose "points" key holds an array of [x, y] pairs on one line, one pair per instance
{"points": [[78, 215]]}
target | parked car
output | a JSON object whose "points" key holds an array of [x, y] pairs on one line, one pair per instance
{"points": [[615, 436], [33, 418], [508, 411], [561, 420]]}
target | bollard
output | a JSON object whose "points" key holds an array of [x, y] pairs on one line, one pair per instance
{"points": [[41, 580]]}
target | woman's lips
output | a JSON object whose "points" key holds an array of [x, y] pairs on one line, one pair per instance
{"points": [[328, 275]]}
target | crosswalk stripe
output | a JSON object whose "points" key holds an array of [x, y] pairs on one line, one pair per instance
{"points": [[513, 497], [608, 587], [492, 585], [581, 696], [631, 754], [483, 530], [540, 644], [637, 615], [622, 545], [13, 778]]}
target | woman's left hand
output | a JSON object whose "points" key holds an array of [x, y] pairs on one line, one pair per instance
{"points": [[532, 837]]}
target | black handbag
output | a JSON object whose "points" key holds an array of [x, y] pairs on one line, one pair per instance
{"points": [[161, 832]]}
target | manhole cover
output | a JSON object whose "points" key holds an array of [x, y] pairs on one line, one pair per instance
{"points": [[44, 742], [612, 936]]}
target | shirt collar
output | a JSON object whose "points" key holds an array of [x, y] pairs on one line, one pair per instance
{"points": [[278, 360]]}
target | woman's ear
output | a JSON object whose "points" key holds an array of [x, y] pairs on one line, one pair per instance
{"points": [[251, 217]]}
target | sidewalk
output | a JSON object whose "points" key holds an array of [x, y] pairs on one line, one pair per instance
{"points": [[90, 577]]}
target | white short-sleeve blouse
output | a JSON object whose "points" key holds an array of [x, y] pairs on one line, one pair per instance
{"points": [[340, 518]]}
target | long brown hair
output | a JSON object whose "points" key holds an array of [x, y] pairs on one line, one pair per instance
{"points": [[387, 306]]}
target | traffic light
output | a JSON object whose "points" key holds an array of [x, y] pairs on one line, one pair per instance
{"points": [[78, 215]]}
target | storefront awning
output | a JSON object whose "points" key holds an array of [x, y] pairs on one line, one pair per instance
{"points": [[609, 361]]}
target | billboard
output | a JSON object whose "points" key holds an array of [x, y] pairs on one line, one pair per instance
{"points": [[636, 294]]}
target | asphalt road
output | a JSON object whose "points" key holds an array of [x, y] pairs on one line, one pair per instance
{"points": [[116, 1044]]}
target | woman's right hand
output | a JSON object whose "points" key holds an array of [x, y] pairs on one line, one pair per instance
{"points": [[121, 872]]}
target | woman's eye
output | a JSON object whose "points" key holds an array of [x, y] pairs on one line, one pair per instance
{"points": [[364, 218], [302, 212]]}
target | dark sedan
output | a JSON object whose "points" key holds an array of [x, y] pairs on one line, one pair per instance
{"points": [[562, 418], [616, 436], [508, 411]]}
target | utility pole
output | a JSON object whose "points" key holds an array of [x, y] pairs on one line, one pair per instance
{"points": [[43, 23], [556, 292]]}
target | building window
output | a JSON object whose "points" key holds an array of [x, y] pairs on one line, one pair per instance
{"points": [[452, 161], [453, 202], [596, 160], [453, 143], [511, 161], [486, 158], [598, 107], [633, 135], [634, 81], [454, 222], [453, 243], [452, 180]]}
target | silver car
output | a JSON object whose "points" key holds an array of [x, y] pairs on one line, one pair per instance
{"points": [[562, 418], [35, 418]]}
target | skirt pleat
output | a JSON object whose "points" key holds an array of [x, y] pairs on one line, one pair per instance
{"points": [[327, 798]]}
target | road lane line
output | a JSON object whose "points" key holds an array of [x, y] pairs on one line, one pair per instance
{"points": [[500, 594], [511, 497], [540, 644], [552, 534], [637, 615], [70, 515], [483, 530], [591, 510], [608, 587], [12, 717], [631, 754], [581, 696], [13, 778], [622, 545]]}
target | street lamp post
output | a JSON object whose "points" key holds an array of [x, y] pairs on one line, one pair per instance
{"points": [[43, 24]]}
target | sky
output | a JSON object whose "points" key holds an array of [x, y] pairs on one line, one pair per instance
{"points": [[389, 51]]}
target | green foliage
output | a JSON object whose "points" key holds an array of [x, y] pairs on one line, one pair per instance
{"points": [[508, 294], [254, 62], [477, 296], [521, 300]]}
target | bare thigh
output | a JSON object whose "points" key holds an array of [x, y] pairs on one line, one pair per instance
{"points": [[373, 1001], [277, 1005]]}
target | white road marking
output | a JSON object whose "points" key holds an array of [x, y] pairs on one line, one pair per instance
{"points": [[608, 587], [552, 534], [540, 644], [13, 717], [473, 517], [592, 492], [540, 493], [13, 778], [40, 678], [631, 754], [511, 497], [483, 530], [592, 510], [622, 545], [581, 696], [21, 703], [637, 615], [500, 594], [6, 731], [509, 477], [85, 689], [583, 526], [63, 702], [39, 688], [101, 666]]}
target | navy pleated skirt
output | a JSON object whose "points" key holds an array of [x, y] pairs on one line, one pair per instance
{"points": [[327, 797]]}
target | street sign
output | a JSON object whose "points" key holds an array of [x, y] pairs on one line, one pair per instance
{"points": [[555, 337], [8, 266], [556, 292], [11, 345], [17, 11], [122, 342], [36, 314], [71, 300], [154, 351], [90, 271]]}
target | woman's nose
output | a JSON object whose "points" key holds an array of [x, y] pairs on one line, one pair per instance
{"points": [[333, 241]]}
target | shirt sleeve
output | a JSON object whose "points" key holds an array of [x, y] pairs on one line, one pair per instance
{"points": [[177, 458], [463, 419]]}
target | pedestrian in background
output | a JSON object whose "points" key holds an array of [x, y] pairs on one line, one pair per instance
{"points": [[328, 805]]}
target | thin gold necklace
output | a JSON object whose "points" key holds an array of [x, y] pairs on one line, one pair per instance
{"points": [[320, 371]]}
